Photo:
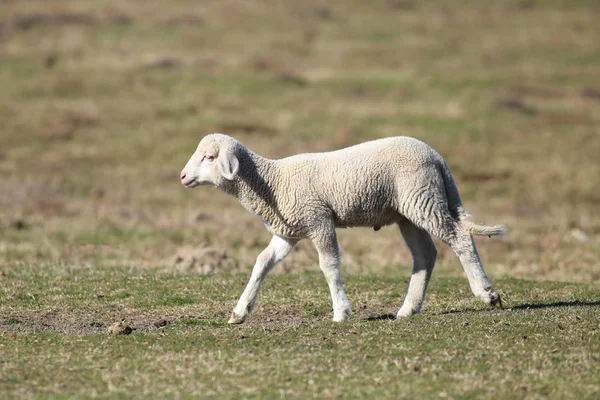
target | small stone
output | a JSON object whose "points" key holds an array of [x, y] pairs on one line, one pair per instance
{"points": [[162, 323], [119, 328]]}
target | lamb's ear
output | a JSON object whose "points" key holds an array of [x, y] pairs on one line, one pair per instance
{"points": [[228, 164]]}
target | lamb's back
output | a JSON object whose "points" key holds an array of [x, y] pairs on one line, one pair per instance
{"points": [[358, 184]]}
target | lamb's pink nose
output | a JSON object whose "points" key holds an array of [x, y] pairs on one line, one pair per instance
{"points": [[183, 175]]}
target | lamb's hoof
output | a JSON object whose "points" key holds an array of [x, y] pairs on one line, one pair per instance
{"points": [[497, 302], [236, 319], [405, 313], [492, 298], [342, 315]]}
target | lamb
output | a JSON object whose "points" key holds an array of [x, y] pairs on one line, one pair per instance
{"points": [[396, 180]]}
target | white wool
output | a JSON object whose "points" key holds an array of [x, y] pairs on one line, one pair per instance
{"points": [[397, 180]]}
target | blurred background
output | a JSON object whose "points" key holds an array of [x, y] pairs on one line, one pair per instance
{"points": [[103, 102]]}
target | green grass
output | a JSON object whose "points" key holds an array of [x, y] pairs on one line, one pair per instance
{"points": [[54, 341]]}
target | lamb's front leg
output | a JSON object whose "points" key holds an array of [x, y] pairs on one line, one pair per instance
{"points": [[277, 249], [329, 260]]}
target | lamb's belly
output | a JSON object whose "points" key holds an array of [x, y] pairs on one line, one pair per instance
{"points": [[370, 214], [368, 221]]}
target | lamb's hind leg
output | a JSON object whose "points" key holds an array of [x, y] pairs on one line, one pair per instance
{"points": [[424, 254], [429, 211], [463, 245], [439, 223]]}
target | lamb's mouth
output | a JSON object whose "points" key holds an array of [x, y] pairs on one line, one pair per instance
{"points": [[191, 184]]}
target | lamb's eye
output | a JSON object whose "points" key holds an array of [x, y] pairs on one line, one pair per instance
{"points": [[209, 157]]}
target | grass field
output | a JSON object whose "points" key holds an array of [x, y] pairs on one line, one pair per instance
{"points": [[544, 344], [103, 102]]}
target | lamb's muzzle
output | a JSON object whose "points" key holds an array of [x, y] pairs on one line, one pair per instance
{"points": [[397, 180]]}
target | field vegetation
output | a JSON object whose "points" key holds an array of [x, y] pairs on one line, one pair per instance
{"points": [[103, 102]]}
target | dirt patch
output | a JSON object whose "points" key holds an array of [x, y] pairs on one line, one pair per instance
{"points": [[102, 321], [292, 78], [570, 119], [83, 322], [277, 320], [204, 260], [323, 13], [276, 317], [536, 91], [164, 62], [18, 224], [591, 93], [30, 21], [63, 126], [33, 202], [514, 105], [120, 19], [184, 20]]}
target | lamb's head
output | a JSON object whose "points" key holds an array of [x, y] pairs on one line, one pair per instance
{"points": [[214, 162]]}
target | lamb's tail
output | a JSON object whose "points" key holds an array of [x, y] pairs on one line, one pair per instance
{"points": [[466, 222], [458, 211]]}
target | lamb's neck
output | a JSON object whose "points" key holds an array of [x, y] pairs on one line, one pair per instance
{"points": [[253, 186]]}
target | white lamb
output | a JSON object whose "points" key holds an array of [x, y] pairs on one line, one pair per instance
{"points": [[397, 180]]}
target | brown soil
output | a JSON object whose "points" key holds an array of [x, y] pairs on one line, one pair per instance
{"points": [[82, 322], [204, 260]]}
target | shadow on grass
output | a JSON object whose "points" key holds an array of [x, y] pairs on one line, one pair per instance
{"points": [[464, 310], [380, 317], [556, 304], [527, 307]]}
